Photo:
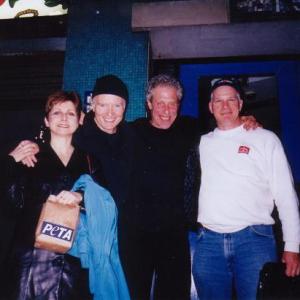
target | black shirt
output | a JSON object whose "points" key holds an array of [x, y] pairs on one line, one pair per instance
{"points": [[157, 194]]}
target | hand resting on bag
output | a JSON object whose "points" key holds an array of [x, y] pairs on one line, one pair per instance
{"points": [[66, 197]]}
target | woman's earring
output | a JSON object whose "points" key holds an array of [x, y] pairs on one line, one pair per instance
{"points": [[41, 135]]}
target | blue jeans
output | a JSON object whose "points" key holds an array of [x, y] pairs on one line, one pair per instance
{"points": [[223, 261]]}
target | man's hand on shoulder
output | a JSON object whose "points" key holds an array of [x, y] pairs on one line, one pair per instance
{"points": [[292, 261], [25, 152], [249, 122]]}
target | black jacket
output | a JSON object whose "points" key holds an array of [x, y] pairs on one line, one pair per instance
{"points": [[27, 190], [114, 155]]}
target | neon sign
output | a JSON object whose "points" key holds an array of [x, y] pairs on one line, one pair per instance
{"points": [[23, 8]]}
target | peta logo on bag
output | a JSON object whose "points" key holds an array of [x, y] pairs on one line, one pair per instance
{"points": [[57, 231], [56, 227]]}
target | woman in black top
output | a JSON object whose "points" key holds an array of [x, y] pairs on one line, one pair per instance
{"points": [[42, 274]]}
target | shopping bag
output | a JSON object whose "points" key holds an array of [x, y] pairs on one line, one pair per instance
{"points": [[56, 226]]}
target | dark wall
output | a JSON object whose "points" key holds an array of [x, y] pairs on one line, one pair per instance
{"points": [[25, 82]]}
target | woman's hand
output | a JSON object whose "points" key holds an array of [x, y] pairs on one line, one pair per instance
{"points": [[67, 197], [25, 152]]}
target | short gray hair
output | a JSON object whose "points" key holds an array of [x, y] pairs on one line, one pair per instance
{"points": [[163, 80]]}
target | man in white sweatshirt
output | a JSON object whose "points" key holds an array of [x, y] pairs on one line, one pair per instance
{"points": [[243, 174]]}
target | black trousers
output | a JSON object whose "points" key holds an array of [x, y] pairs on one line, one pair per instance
{"points": [[162, 257]]}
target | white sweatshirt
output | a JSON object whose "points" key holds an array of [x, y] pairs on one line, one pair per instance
{"points": [[243, 173]]}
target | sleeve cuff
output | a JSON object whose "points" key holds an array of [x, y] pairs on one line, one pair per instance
{"points": [[291, 247]]}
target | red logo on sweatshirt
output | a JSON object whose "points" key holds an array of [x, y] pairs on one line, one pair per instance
{"points": [[244, 149]]}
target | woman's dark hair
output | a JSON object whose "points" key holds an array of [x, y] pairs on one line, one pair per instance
{"points": [[60, 97]]}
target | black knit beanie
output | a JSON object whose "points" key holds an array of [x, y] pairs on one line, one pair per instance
{"points": [[110, 84]]}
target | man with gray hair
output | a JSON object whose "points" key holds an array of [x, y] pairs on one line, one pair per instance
{"points": [[157, 225]]}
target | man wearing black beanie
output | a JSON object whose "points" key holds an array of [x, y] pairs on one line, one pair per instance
{"points": [[108, 138]]}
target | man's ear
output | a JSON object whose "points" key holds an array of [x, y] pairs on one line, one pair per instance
{"points": [[94, 102], [241, 102], [149, 104], [210, 107], [46, 122], [93, 105]]}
